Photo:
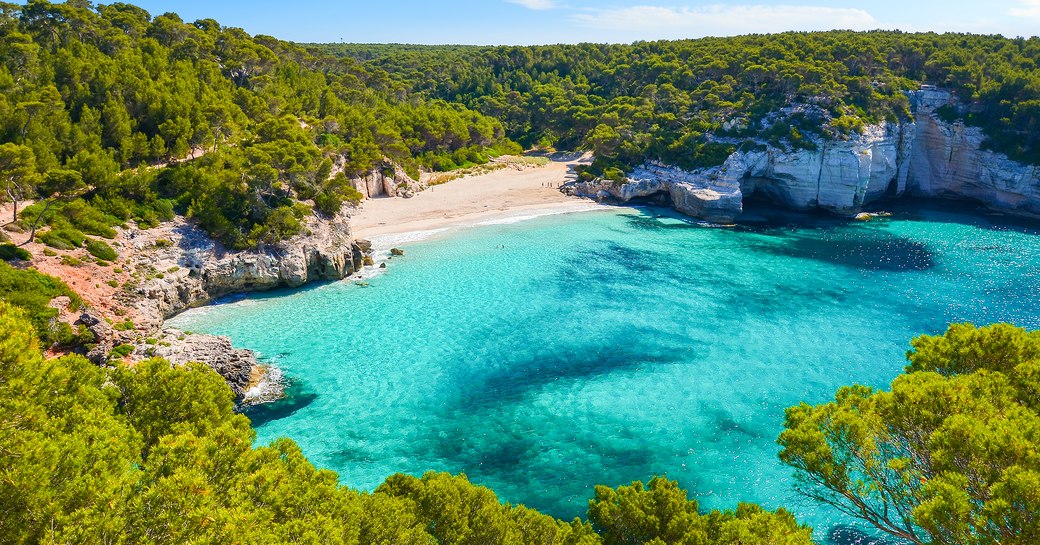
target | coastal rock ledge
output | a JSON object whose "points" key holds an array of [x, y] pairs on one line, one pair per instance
{"points": [[927, 157], [182, 267]]}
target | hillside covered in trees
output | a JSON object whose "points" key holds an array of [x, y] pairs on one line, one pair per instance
{"points": [[109, 114], [100, 107], [156, 454], [692, 102]]}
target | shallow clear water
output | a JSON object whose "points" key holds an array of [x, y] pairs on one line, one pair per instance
{"points": [[544, 357]]}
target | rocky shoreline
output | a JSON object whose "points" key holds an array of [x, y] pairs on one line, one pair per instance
{"points": [[924, 157], [176, 266], [184, 268]]}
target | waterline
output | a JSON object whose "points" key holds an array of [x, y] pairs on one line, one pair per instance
{"points": [[547, 356]]}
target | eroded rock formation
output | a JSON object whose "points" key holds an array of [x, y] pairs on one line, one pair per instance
{"points": [[927, 157], [179, 267], [389, 180]]}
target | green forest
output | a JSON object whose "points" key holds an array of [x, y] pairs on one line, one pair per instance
{"points": [[156, 454], [672, 100], [109, 114]]}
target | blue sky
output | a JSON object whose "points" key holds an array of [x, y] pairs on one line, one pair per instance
{"points": [[571, 21]]}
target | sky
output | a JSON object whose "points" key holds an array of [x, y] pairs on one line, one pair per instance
{"points": [[528, 22]]}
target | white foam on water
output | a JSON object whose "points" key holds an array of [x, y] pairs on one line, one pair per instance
{"points": [[385, 242], [583, 207], [270, 388]]}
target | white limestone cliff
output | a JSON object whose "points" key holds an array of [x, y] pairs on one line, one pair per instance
{"points": [[388, 180], [927, 157], [948, 162], [188, 268]]}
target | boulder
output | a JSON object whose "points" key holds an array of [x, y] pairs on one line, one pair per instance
{"points": [[179, 348], [103, 333]]}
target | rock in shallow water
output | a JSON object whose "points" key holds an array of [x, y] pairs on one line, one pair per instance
{"points": [[181, 267], [180, 348]]}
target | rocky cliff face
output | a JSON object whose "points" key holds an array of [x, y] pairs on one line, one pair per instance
{"points": [[187, 268], [178, 266], [389, 180], [947, 161], [710, 196], [926, 157]]}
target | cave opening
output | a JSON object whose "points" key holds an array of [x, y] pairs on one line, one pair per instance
{"points": [[657, 198], [892, 190]]}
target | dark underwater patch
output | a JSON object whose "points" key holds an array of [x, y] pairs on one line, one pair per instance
{"points": [[517, 380], [896, 254], [657, 220], [761, 300], [848, 535], [503, 455], [619, 256], [725, 426], [859, 248], [349, 456], [959, 212], [608, 265]]}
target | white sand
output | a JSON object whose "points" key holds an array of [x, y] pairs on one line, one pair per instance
{"points": [[501, 196]]}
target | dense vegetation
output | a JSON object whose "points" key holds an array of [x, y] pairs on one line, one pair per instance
{"points": [[155, 454], [95, 101], [32, 291], [949, 456], [109, 115], [691, 102]]}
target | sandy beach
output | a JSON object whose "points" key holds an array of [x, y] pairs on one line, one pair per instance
{"points": [[508, 194], [499, 195]]}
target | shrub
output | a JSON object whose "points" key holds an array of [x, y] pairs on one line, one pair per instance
{"points": [[31, 291], [89, 219], [615, 175], [63, 238], [10, 252], [121, 352], [947, 113], [101, 250], [328, 204], [125, 325]]}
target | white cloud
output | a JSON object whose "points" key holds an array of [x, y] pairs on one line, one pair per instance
{"points": [[1029, 9], [654, 22], [535, 4]]}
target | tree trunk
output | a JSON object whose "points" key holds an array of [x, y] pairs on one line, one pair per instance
{"points": [[32, 231], [14, 200]]}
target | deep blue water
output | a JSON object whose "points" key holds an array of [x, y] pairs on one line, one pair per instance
{"points": [[547, 356]]}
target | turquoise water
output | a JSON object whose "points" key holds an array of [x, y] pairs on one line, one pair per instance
{"points": [[544, 357]]}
